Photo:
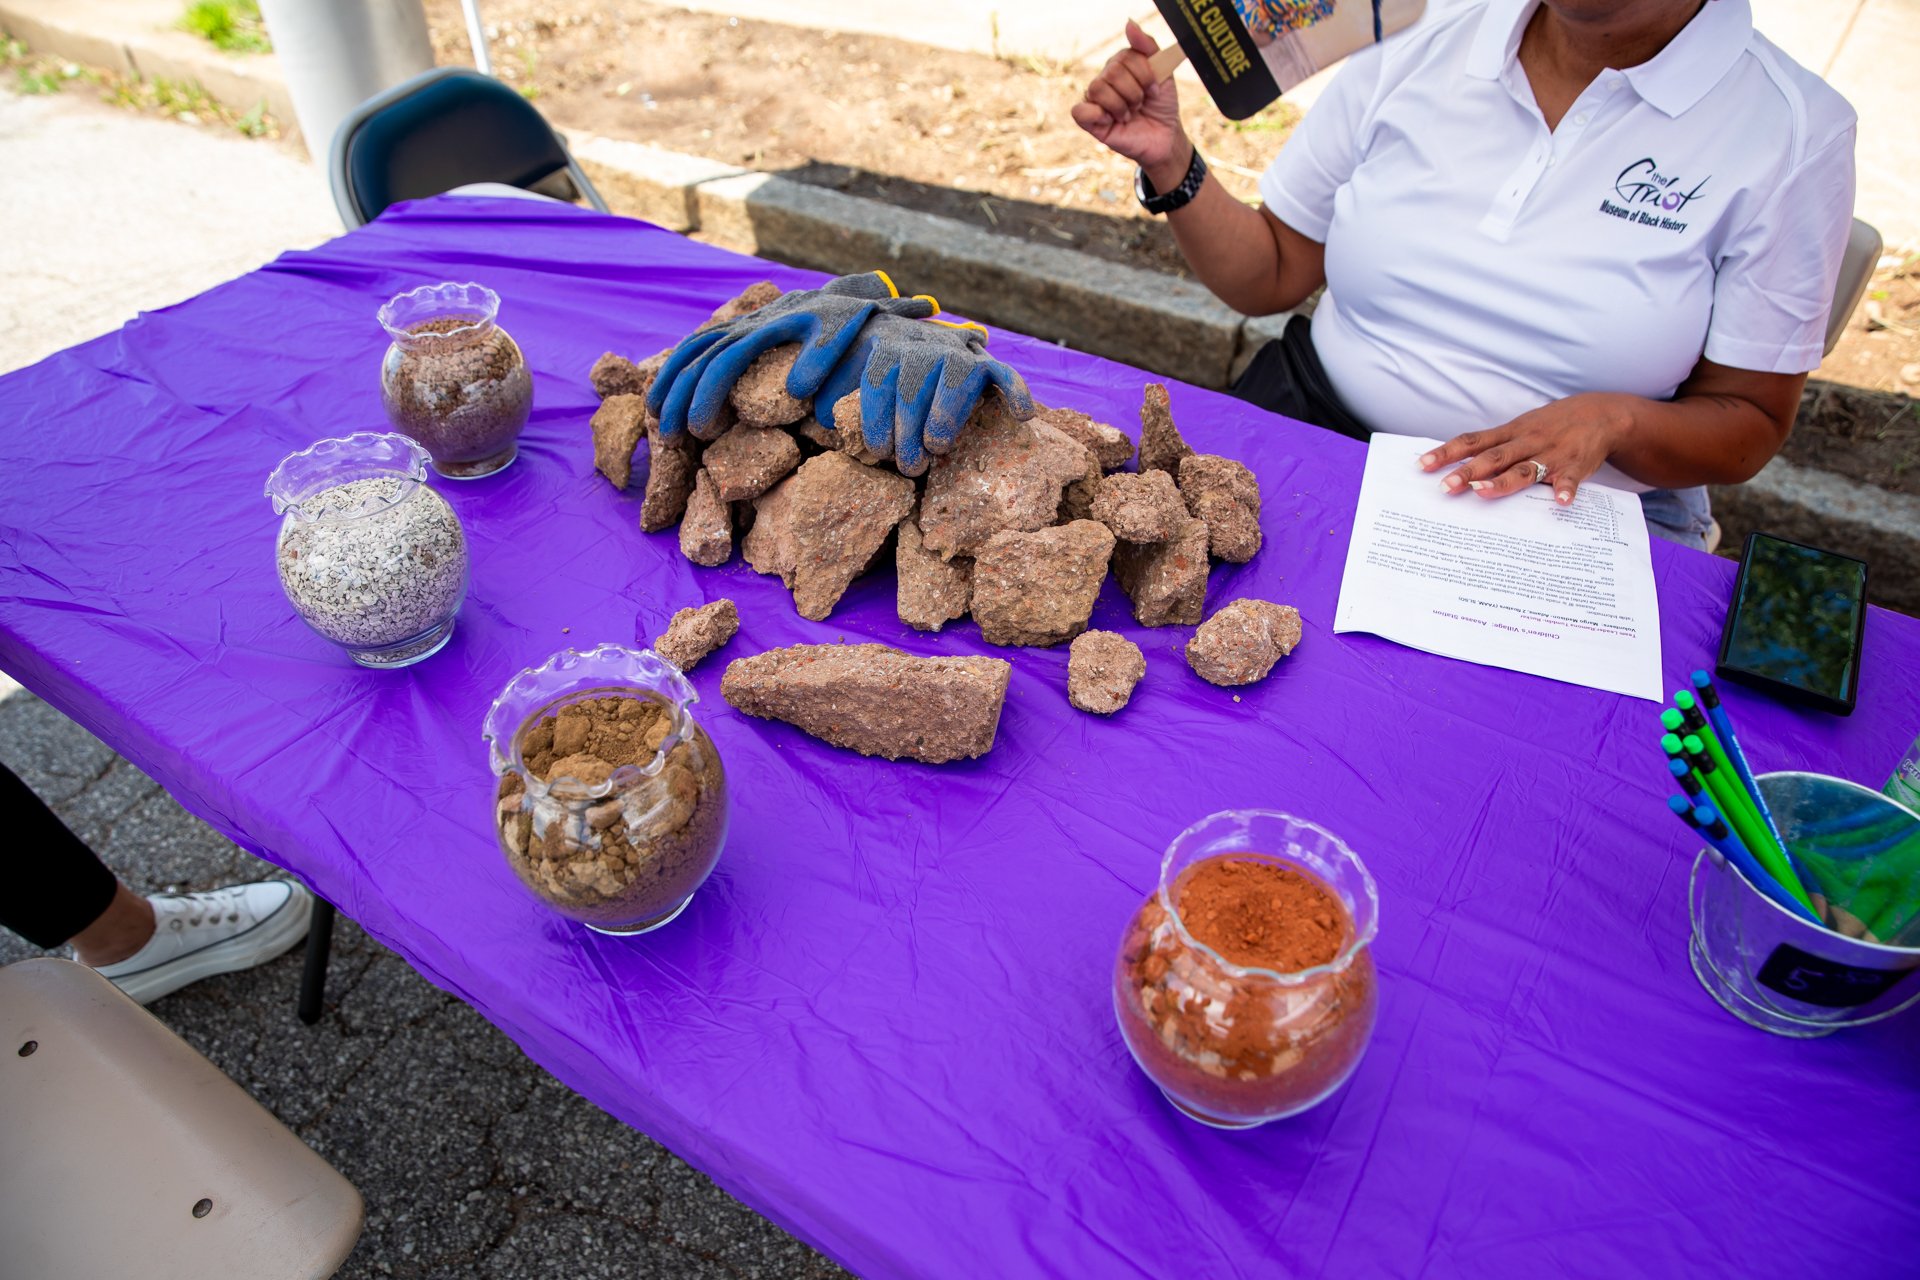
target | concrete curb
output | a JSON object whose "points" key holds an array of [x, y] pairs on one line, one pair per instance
{"points": [[1832, 511], [86, 35]]}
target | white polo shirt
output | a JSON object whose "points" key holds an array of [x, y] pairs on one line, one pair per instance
{"points": [[1479, 266]]}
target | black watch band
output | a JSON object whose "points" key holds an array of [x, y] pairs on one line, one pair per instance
{"points": [[1179, 197]]}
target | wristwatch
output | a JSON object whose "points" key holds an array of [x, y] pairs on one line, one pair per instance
{"points": [[1179, 197]]}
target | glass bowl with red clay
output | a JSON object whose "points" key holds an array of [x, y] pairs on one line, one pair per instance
{"points": [[610, 804], [1245, 986]]}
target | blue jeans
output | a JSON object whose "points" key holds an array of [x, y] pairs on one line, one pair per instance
{"points": [[1678, 515]]}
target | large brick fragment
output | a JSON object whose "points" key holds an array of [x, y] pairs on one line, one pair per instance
{"points": [[747, 461], [932, 591], [874, 699], [1224, 494], [1142, 506], [1111, 446], [760, 395], [1038, 588], [617, 426], [1241, 643], [822, 526], [1002, 474], [1167, 581], [1161, 446]]}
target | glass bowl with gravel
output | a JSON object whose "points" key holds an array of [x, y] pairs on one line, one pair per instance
{"points": [[610, 801], [453, 379], [369, 556]]}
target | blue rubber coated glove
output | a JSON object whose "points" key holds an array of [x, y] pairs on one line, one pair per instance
{"points": [[919, 381], [690, 394]]}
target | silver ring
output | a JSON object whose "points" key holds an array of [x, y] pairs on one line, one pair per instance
{"points": [[1539, 470]]}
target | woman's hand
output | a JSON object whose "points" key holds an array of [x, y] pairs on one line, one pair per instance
{"points": [[1570, 438], [1133, 114]]}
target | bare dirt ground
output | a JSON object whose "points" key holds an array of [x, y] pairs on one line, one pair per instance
{"points": [[984, 140], [1859, 417]]}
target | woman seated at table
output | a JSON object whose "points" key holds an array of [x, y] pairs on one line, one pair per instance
{"points": [[1583, 238]]}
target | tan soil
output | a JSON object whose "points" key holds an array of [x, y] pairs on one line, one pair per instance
{"points": [[589, 862], [984, 140]]}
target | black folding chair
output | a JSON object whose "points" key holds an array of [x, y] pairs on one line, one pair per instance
{"points": [[450, 127]]}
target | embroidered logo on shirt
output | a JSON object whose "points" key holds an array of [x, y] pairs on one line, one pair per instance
{"points": [[1650, 198]]}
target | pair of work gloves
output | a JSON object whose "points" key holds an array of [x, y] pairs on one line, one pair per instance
{"points": [[918, 377]]}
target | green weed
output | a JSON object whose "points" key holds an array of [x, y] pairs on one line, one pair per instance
{"points": [[232, 25]]}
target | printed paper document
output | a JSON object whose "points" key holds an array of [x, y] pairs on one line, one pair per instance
{"points": [[1519, 582]]}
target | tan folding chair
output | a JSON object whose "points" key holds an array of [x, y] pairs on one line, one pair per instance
{"points": [[129, 1154], [1857, 262]]}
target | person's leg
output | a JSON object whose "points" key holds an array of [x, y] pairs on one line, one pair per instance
{"points": [[1678, 515], [1286, 377], [60, 892]]}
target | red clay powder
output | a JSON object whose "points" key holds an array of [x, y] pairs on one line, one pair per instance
{"points": [[1242, 1047], [1260, 914]]}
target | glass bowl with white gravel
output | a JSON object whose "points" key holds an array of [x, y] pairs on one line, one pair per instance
{"points": [[370, 556]]}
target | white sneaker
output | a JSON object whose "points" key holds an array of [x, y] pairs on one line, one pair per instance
{"points": [[197, 935]]}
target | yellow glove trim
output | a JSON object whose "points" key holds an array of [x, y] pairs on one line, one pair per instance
{"points": [[887, 280], [963, 324], [931, 301]]}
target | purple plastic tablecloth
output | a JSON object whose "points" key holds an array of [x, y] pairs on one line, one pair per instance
{"points": [[886, 1021]]}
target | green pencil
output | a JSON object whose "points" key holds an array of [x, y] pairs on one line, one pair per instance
{"points": [[1737, 807]]}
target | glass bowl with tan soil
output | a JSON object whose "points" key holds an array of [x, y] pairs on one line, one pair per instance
{"points": [[610, 803], [1244, 986], [453, 379]]}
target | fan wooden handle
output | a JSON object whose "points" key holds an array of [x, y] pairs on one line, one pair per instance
{"points": [[1164, 62]]}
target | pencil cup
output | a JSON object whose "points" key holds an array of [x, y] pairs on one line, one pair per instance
{"points": [[1775, 971]]}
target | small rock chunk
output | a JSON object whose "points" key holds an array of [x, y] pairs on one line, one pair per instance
{"points": [[1001, 474], [615, 375], [1110, 446], [1161, 446], [1038, 588], [931, 592], [670, 471], [821, 527], [875, 699], [1102, 669], [693, 633], [847, 435], [617, 425], [1242, 641], [760, 395], [1167, 581], [745, 303], [1140, 506], [748, 461], [1224, 494], [706, 530]]}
